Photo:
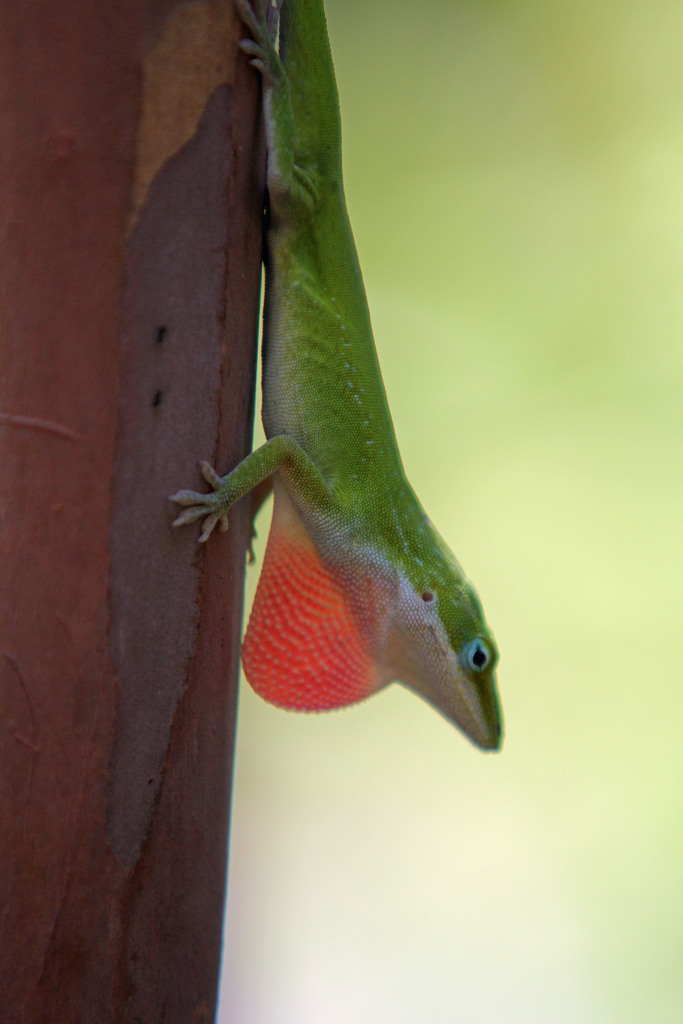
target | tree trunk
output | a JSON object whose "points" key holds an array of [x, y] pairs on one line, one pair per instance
{"points": [[130, 243]]}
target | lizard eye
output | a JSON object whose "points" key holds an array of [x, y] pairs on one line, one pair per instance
{"points": [[476, 656]]}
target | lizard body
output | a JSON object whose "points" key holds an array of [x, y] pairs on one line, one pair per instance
{"points": [[357, 588]]}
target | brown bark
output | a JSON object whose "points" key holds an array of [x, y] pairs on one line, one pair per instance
{"points": [[130, 236]]}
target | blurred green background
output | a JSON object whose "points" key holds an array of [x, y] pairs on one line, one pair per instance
{"points": [[514, 174]]}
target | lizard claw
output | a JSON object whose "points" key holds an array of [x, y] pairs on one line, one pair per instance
{"points": [[209, 524], [198, 505], [254, 51], [210, 475], [189, 515], [261, 48], [249, 17], [187, 497], [251, 555]]}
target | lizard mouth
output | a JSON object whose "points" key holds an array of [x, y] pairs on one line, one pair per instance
{"points": [[482, 721], [471, 706]]}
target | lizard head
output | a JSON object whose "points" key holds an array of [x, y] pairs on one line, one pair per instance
{"points": [[441, 647], [333, 624]]}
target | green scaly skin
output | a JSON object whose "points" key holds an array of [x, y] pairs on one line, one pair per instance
{"points": [[331, 446]]}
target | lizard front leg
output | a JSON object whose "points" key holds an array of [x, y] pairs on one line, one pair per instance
{"points": [[281, 454]]}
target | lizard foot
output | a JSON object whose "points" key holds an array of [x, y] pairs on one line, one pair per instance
{"points": [[198, 505], [261, 49], [287, 181]]}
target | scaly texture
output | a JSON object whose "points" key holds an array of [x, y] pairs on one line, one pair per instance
{"points": [[358, 588], [306, 647]]}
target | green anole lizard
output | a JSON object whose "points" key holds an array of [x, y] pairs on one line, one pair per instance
{"points": [[357, 587]]}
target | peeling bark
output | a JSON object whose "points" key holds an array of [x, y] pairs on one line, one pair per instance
{"points": [[130, 243]]}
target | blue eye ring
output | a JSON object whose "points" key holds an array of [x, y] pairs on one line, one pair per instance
{"points": [[476, 656]]}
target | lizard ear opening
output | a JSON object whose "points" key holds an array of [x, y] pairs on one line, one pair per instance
{"points": [[305, 648]]}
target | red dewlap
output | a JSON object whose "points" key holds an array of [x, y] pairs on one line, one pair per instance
{"points": [[304, 649]]}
